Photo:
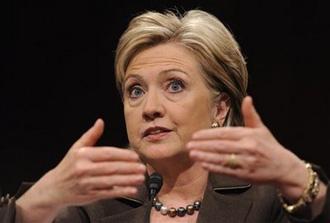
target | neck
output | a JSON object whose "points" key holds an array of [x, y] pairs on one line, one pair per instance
{"points": [[183, 181]]}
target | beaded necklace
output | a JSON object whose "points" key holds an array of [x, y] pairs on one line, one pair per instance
{"points": [[172, 212]]}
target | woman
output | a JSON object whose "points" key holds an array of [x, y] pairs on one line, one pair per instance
{"points": [[183, 82]]}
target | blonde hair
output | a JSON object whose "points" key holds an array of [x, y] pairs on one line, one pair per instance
{"points": [[205, 36]]}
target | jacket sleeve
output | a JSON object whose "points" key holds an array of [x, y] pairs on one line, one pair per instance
{"points": [[67, 215], [325, 215], [7, 210], [8, 204]]}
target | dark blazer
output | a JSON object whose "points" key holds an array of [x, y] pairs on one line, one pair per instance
{"points": [[226, 200]]}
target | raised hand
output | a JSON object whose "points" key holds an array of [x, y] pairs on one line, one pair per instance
{"points": [[250, 153], [86, 174]]}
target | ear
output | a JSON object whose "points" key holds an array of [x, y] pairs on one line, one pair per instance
{"points": [[221, 108]]}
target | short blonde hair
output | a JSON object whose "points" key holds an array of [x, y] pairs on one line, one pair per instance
{"points": [[205, 36]]}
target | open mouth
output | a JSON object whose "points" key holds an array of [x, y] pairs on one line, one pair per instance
{"points": [[156, 133]]}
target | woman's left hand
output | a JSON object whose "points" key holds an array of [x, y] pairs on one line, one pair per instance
{"points": [[250, 153]]}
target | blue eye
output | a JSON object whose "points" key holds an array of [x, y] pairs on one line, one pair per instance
{"points": [[176, 86], [135, 92]]}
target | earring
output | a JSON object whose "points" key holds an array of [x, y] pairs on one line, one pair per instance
{"points": [[215, 125]]}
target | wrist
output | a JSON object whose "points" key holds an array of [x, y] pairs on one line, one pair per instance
{"points": [[294, 181], [36, 204], [309, 193], [31, 209]]}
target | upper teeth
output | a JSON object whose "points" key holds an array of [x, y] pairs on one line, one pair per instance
{"points": [[156, 131]]}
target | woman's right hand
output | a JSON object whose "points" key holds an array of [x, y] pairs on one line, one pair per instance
{"points": [[85, 174]]}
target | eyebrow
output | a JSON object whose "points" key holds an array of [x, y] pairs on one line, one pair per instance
{"points": [[132, 76], [137, 76]]}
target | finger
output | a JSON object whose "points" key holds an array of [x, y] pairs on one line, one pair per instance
{"points": [[218, 159], [250, 115], [232, 133], [118, 191], [101, 154], [90, 137], [107, 182], [216, 146], [111, 168], [208, 157], [240, 173], [241, 161]]}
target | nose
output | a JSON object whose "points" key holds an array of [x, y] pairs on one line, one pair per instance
{"points": [[153, 107]]}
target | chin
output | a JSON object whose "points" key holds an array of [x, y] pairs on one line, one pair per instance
{"points": [[160, 151]]}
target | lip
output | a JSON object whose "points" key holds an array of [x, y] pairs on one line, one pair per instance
{"points": [[156, 133]]}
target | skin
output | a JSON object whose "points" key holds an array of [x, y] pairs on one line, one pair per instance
{"points": [[85, 174], [164, 87], [261, 158], [153, 98]]}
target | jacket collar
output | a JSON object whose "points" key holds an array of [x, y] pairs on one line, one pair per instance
{"points": [[136, 215], [225, 208], [217, 183]]}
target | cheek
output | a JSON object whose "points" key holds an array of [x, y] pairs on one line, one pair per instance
{"points": [[197, 110], [131, 123], [192, 116]]}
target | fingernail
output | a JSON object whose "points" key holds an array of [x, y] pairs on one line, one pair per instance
{"points": [[194, 153], [142, 167], [97, 120], [133, 190], [189, 145], [140, 177], [195, 135]]}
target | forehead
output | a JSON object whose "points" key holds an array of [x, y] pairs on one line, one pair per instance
{"points": [[167, 56]]}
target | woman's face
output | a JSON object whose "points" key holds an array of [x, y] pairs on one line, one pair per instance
{"points": [[166, 100]]}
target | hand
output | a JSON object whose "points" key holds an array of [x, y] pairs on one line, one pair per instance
{"points": [[86, 174], [258, 157]]}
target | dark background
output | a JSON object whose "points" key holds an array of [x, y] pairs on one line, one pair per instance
{"points": [[57, 74]]}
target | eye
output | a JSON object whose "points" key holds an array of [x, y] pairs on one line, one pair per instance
{"points": [[175, 86], [135, 91]]}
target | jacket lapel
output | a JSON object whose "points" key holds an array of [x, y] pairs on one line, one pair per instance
{"points": [[220, 203], [139, 214], [135, 215]]}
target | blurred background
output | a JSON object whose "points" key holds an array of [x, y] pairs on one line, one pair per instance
{"points": [[57, 76]]}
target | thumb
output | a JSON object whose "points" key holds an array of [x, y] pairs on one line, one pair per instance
{"points": [[250, 115], [90, 137]]}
